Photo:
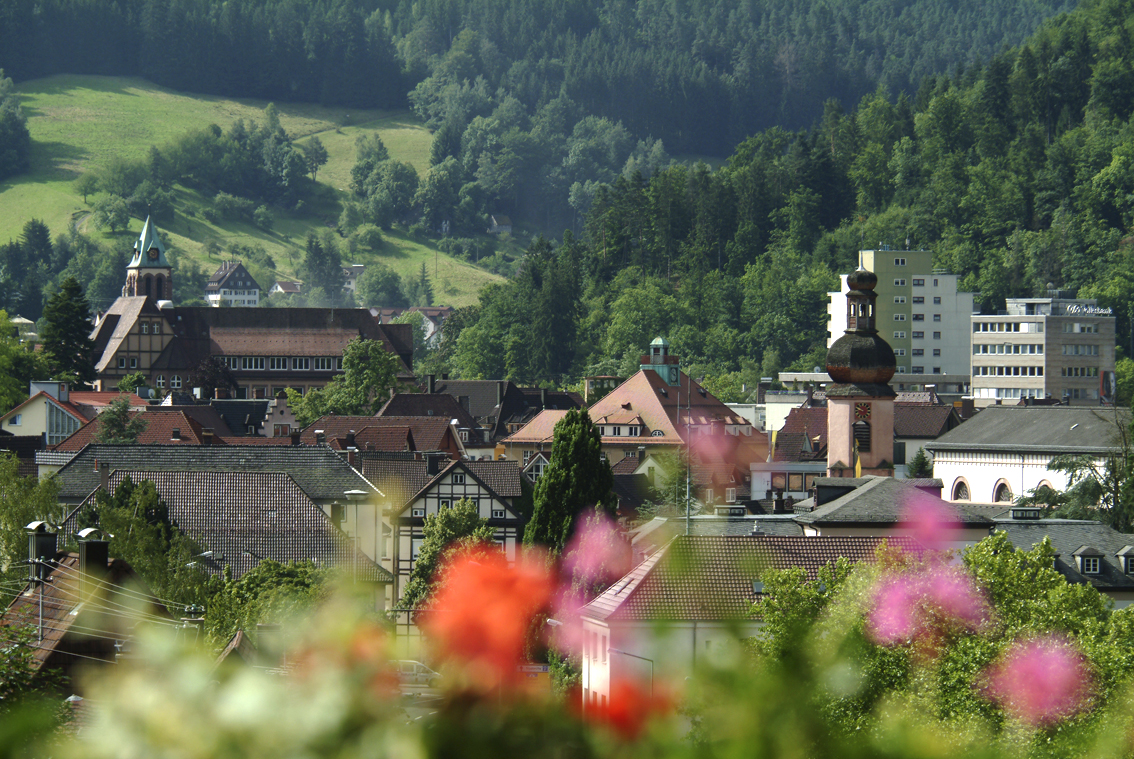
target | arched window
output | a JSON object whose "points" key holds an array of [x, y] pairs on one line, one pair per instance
{"points": [[1003, 493], [159, 291], [862, 436], [175, 382], [961, 491], [160, 381]]}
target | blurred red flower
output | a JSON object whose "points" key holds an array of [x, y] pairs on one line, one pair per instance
{"points": [[630, 708], [482, 612], [1042, 680]]}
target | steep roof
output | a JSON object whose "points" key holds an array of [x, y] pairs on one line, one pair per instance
{"points": [[239, 415], [287, 287], [404, 479], [148, 240], [710, 578], [540, 429], [881, 501], [115, 325], [318, 471], [245, 517], [1037, 430], [230, 275], [160, 427], [428, 432], [497, 404]]}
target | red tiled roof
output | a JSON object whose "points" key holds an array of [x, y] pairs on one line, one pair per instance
{"points": [[923, 421], [804, 435], [159, 429], [428, 432], [438, 405]]}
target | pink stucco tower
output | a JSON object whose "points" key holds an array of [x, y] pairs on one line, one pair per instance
{"points": [[860, 403]]}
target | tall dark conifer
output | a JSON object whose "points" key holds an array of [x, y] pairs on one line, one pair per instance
{"points": [[67, 344]]}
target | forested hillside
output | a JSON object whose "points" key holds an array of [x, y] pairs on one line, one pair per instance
{"points": [[1017, 173]]}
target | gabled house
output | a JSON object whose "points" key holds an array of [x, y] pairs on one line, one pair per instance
{"points": [[282, 287], [232, 285], [245, 517], [433, 318], [418, 488], [799, 456], [919, 418], [350, 276], [54, 411], [499, 224], [501, 406], [162, 427], [689, 602], [442, 406]]}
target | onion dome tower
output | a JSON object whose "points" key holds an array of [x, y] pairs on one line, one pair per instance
{"points": [[860, 402]]}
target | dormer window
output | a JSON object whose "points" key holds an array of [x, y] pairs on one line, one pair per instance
{"points": [[633, 431], [1090, 565], [657, 433]]}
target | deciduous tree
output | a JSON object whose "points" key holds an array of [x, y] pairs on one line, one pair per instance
{"points": [[459, 527]]}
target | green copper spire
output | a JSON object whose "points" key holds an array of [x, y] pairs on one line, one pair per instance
{"points": [[149, 250]]}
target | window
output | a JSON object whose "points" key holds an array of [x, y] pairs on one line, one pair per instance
{"points": [[937, 370], [935, 283], [16, 420], [899, 262], [899, 317], [160, 381], [527, 457], [936, 335], [145, 328], [122, 361], [632, 431], [917, 352], [899, 351], [901, 370], [936, 351], [175, 382], [918, 299], [900, 335], [458, 478], [899, 299], [133, 363], [1090, 565], [919, 317], [730, 495], [277, 363], [918, 370], [862, 435], [418, 513], [498, 513], [657, 433], [443, 504], [339, 363], [899, 283], [157, 328], [301, 364], [709, 495], [937, 300], [937, 317], [464, 435], [918, 335], [324, 364], [616, 432], [920, 283], [252, 362]]}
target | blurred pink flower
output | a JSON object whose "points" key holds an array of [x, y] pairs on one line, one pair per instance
{"points": [[597, 552], [1040, 681], [564, 625], [955, 597], [897, 616], [930, 521]]}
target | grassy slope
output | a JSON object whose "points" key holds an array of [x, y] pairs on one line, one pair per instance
{"points": [[79, 122]]}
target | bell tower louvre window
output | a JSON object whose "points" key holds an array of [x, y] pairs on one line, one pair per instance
{"points": [[862, 436]]}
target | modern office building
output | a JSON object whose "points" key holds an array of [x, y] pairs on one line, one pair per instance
{"points": [[1051, 348], [920, 313]]}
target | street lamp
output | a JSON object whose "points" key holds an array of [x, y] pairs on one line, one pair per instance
{"points": [[635, 656]]}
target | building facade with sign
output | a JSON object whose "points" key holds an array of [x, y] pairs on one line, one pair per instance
{"points": [[1050, 348]]}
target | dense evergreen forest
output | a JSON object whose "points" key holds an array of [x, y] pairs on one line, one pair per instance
{"points": [[1018, 173]]}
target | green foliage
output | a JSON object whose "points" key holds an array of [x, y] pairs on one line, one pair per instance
{"points": [[131, 382], [379, 286], [920, 466], [455, 528], [315, 154], [370, 372], [15, 140], [23, 500], [111, 212], [19, 366], [323, 265], [118, 425], [67, 345], [269, 593], [575, 481], [211, 374]]}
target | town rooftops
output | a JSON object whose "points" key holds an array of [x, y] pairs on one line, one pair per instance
{"points": [[245, 517], [1037, 429], [881, 501], [429, 432], [1077, 537], [403, 479], [162, 427], [439, 405], [711, 578], [318, 471]]}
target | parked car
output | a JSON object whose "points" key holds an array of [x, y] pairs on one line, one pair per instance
{"points": [[415, 673]]}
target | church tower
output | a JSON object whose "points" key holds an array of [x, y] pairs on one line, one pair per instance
{"points": [[860, 403], [149, 273]]}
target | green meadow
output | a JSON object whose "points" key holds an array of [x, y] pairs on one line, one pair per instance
{"points": [[80, 122]]}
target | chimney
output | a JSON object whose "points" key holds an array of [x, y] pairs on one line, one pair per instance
{"points": [[94, 559], [500, 392], [221, 393], [543, 397], [433, 463], [430, 383], [104, 476], [295, 437], [175, 434], [352, 457], [41, 545], [64, 392], [207, 436], [350, 439], [320, 437]]}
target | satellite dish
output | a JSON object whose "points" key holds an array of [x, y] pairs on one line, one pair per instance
{"points": [[816, 369]]}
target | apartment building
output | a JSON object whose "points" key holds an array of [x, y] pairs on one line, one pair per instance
{"points": [[1054, 348], [920, 313]]}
